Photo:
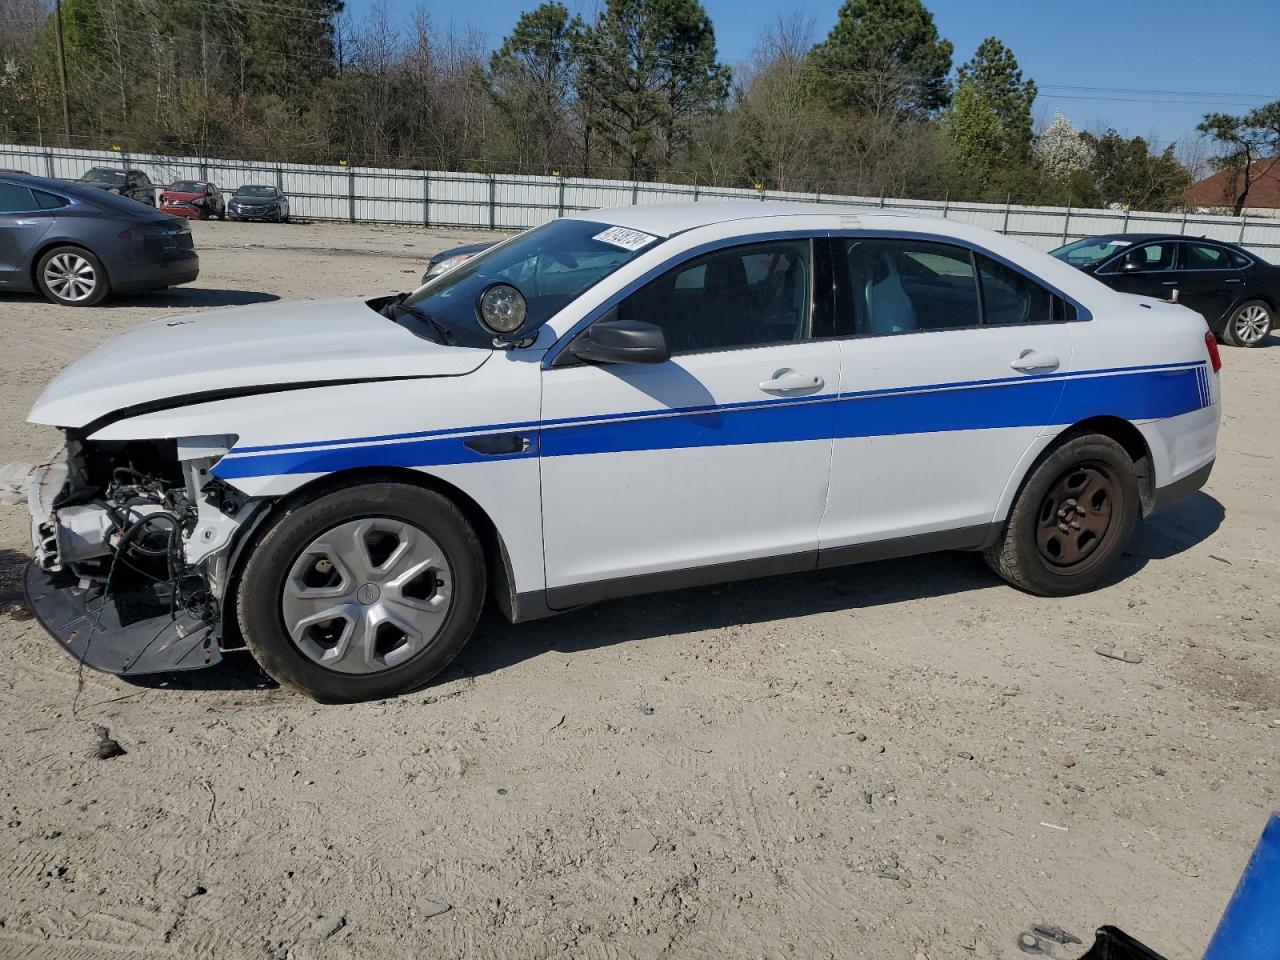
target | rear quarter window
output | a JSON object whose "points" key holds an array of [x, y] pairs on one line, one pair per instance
{"points": [[49, 201]]}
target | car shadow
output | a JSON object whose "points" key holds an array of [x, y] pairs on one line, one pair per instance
{"points": [[499, 645], [171, 297], [190, 297]]}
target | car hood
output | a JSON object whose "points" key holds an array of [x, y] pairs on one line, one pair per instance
{"points": [[245, 350], [180, 195]]}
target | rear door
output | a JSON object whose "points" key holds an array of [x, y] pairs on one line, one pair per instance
{"points": [[716, 457], [1209, 281], [1149, 269], [22, 225], [954, 369]]}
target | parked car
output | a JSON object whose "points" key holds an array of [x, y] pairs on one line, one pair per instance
{"points": [[1237, 293], [446, 260], [258, 202], [133, 184], [193, 199], [75, 244], [615, 402]]}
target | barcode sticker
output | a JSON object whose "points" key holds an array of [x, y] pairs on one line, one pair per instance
{"points": [[625, 238]]}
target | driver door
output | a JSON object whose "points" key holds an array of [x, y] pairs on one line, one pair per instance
{"points": [[709, 466]]}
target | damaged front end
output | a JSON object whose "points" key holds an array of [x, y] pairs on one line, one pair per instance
{"points": [[134, 544]]}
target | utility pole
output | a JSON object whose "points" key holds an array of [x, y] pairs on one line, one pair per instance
{"points": [[62, 70]]}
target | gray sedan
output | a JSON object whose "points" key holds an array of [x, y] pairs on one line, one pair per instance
{"points": [[75, 244]]}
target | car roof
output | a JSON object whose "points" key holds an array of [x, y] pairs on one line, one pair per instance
{"points": [[246, 186], [1149, 237], [667, 220]]}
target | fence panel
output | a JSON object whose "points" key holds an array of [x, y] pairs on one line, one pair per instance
{"points": [[511, 202]]}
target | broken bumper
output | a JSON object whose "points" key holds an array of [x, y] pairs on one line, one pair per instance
{"points": [[119, 634]]}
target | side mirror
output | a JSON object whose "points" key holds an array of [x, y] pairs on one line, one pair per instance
{"points": [[1130, 264], [622, 341]]}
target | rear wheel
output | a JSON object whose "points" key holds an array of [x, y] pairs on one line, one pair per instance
{"points": [[363, 593], [72, 276], [1249, 324], [1071, 521]]}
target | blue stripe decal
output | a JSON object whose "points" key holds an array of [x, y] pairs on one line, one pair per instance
{"points": [[675, 411], [1144, 394]]}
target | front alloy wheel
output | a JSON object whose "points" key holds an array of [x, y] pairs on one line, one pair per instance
{"points": [[71, 276]]}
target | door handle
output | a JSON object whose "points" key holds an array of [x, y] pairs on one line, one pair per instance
{"points": [[1233, 280], [1029, 362], [788, 381], [1170, 283]]}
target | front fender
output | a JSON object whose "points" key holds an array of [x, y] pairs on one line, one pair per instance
{"points": [[290, 438]]}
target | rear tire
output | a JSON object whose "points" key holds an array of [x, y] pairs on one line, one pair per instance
{"points": [[1072, 520], [1249, 324], [322, 615], [72, 277]]}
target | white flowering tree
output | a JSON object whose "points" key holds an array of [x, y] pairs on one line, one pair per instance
{"points": [[1061, 150]]}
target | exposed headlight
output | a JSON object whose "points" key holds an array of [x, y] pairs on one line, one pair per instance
{"points": [[501, 308], [445, 265]]}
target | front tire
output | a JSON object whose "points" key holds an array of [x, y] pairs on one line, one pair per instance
{"points": [[72, 277], [1249, 324], [1072, 520], [365, 592]]}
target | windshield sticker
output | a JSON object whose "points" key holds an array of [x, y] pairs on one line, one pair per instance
{"points": [[625, 238], [1119, 243]]}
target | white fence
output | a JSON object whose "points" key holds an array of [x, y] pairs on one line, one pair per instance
{"points": [[506, 202]]}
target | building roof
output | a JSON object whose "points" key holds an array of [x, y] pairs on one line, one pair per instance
{"points": [[1222, 188]]}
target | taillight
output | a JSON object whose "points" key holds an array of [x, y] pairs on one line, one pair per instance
{"points": [[1211, 344]]}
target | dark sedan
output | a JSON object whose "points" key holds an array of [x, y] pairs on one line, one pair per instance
{"points": [[258, 202], [75, 244], [133, 184], [1236, 292]]}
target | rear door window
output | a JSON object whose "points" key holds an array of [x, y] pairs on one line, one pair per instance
{"points": [[1203, 256], [1010, 297], [905, 286]]}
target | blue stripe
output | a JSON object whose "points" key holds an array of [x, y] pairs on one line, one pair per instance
{"points": [[676, 411], [1152, 393]]}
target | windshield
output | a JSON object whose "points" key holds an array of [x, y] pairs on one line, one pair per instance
{"points": [[1090, 250], [551, 266], [256, 192], [101, 175], [187, 186]]}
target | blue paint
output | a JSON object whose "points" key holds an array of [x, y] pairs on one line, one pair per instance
{"points": [[1250, 926], [1143, 394]]}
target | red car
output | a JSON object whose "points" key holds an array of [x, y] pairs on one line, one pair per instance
{"points": [[193, 199]]}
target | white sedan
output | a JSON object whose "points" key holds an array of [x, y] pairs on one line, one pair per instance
{"points": [[616, 402]]}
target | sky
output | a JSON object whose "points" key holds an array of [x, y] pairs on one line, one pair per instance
{"points": [[1151, 68]]}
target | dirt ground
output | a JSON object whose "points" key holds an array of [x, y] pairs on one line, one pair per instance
{"points": [[897, 760]]}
